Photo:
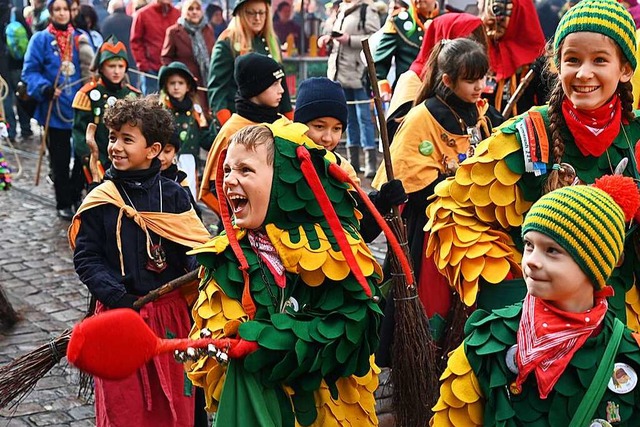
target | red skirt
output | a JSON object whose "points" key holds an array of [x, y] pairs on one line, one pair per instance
{"points": [[159, 393]]}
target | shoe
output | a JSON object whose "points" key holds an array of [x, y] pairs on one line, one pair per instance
{"points": [[66, 213], [353, 155], [371, 163]]}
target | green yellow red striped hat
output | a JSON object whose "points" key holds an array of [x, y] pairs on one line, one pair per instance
{"points": [[588, 222], [606, 17]]}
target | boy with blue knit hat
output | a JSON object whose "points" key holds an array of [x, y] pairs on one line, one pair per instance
{"points": [[322, 106]]}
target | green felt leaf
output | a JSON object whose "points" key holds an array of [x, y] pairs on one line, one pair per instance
{"points": [[273, 339]]}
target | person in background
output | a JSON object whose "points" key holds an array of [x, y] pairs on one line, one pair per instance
{"points": [[51, 51], [356, 20], [322, 107], [178, 95], [284, 26], [444, 127], [250, 30], [87, 21], [260, 82], [10, 70], [147, 36], [401, 40], [190, 41], [96, 97], [118, 24], [216, 19], [37, 15]]}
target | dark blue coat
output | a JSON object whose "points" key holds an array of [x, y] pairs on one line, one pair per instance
{"points": [[96, 257], [41, 65]]}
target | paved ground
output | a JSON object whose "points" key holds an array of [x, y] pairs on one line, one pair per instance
{"points": [[36, 272]]}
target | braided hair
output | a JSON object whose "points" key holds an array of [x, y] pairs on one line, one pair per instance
{"points": [[560, 175]]}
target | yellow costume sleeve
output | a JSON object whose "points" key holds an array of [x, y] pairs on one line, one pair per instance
{"points": [[468, 217], [220, 314], [461, 403]]}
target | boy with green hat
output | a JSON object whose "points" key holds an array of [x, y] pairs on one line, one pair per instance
{"points": [[178, 94], [93, 99], [560, 357]]}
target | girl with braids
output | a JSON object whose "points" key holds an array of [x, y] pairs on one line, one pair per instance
{"points": [[448, 120], [250, 30], [587, 130]]}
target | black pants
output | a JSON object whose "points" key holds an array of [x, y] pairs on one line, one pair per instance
{"points": [[67, 187]]}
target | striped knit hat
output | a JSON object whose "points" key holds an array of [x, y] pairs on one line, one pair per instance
{"points": [[606, 17], [588, 222]]}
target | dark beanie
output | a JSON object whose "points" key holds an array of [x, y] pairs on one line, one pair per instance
{"points": [[320, 97], [254, 73]]}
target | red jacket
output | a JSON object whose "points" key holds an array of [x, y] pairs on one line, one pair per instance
{"points": [[147, 34]]}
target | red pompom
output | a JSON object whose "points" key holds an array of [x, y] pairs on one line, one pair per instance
{"points": [[623, 190], [637, 155], [112, 345]]}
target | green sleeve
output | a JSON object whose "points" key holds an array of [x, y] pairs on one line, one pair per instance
{"points": [[80, 121], [221, 85], [384, 53]]}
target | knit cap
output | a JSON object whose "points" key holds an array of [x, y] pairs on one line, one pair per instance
{"points": [[588, 222], [606, 17], [254, 73], [320, 97]]}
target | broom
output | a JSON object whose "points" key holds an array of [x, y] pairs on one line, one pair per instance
{"points": [[19, 377], [414, 375]]}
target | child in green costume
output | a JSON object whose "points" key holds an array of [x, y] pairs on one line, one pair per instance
{"points": [[292, 284], [587, 130], [560, 357]]}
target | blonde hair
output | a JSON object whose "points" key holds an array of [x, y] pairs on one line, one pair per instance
{"points": [[241, 36], [185, 7]]}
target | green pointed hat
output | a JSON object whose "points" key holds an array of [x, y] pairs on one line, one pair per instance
{"points": [[110, 49]]}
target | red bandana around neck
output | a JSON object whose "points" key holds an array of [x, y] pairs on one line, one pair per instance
{"points": [[267, 252], [548, 338], [595, 130], [63, 39]]}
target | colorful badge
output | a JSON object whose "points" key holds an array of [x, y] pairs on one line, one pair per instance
{"points": [[613, 412], [426, 148], [623, 380], [599, 423], [512, 364], [94, 95]]}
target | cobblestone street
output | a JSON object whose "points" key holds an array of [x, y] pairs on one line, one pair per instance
{"points": [[37, 275]]}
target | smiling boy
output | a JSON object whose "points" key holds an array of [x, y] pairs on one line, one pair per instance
{"points": [[130, 236]]}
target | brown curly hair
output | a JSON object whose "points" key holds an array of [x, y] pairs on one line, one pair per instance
{"points": [[154, 121]]}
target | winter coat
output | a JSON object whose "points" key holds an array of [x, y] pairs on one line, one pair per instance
{"points": [[345, 65], [147, 34], [177, 47], [96, 257], [41, 65]]}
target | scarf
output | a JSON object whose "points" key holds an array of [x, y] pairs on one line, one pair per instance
{"points": [[140, 175], [109, 85], [267, 252], [595, 130], [62, 34], [548, 338], [200, 51], [254, 112], [181, 106]]}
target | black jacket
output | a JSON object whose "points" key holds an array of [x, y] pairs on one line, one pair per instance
{"points": [[96, 257]]}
